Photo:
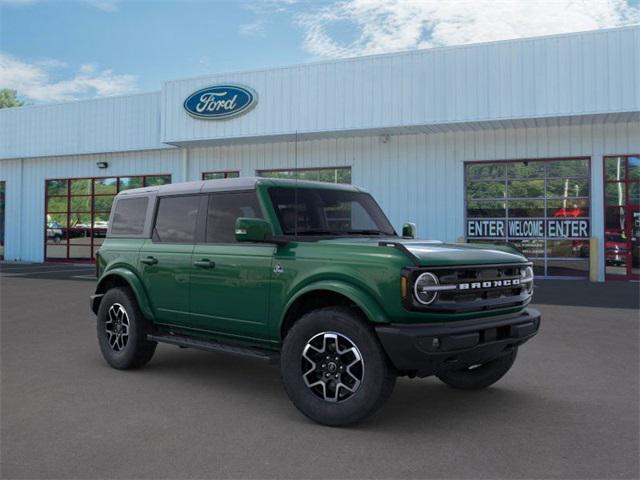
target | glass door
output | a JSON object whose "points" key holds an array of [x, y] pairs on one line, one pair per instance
{"points": [[622, 217]]}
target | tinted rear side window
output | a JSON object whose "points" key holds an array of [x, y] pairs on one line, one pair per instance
{"points": [[129, 216], [176, 219], [224, 209]]}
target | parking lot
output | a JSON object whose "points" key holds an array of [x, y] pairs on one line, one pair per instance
{"points": [[568, 408]]}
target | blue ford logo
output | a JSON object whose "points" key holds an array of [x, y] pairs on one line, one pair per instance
{"points": [[220, 101]]}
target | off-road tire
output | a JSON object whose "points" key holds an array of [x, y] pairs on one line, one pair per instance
{"points": [[378, 377], [481, 376], [137, 351]]}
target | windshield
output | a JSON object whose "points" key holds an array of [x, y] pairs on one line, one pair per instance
{"points": [[328, 212]]}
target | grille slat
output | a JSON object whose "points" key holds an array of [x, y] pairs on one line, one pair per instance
{"points": [[476, 296]]}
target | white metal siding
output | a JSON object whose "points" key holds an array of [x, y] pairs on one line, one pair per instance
{"points": [[112, 124], [558, 76], [416, 177], [25, 189]]}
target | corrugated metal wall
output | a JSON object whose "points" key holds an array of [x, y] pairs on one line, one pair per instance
{"points": [[112, 124], [417, 177], [25, 189], [556, 76]]}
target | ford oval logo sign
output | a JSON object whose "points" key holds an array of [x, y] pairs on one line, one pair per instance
{"points": [[220, 102]]}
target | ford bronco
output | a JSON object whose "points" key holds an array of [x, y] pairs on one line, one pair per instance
{"points": [[310, 275]]}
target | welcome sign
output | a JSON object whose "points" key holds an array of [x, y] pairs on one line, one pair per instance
{"points": [[528, 228], [220, 102]]}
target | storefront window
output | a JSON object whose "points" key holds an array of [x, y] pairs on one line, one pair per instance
{"points": [[622, 217], [220, 175], [78, 210], [330, 175], [541, 207]]}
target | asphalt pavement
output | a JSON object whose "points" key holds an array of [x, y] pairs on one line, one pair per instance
{"points": [[569, 408]]}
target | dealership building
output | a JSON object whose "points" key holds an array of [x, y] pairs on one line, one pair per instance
{"points": [[535, 142]]}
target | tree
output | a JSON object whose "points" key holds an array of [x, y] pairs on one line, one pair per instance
{"points": [[8, 98]]}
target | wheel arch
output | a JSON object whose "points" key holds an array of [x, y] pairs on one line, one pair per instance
{"points": [[122, 277], [326, 294]]}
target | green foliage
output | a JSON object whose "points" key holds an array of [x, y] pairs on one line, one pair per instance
{"points": [[8, 98]]}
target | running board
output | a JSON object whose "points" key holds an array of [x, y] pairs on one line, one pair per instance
{"points": [[213, 346]]}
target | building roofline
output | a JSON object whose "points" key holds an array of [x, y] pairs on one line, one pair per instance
{"points": [[416, 51], [82, 100], [330, 62]]}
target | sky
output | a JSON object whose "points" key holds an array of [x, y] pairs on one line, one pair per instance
{"points": [[53, 50]]}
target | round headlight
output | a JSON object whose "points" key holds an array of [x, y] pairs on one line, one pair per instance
{"points": [[527, 278], [424, 288]]}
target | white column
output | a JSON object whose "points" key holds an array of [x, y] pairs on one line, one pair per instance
{"points": [[597, 211]]}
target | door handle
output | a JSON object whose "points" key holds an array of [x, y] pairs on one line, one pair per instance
{"points": [[149, 260], [204, 263]]}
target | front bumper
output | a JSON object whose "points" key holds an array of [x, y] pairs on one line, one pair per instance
{"points": [[426, 349]]}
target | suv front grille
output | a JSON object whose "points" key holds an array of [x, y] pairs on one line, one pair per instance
{"points": [[476, 288]]}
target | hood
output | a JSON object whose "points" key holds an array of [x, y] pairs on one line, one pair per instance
{"points": [[434, 253], [438, 253]]}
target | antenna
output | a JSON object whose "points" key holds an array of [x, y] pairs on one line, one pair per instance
{"points": [[295, 190]]}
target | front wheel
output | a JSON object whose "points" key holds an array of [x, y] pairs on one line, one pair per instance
{"points": [[481, 376], [122, 331], [334, 369]]}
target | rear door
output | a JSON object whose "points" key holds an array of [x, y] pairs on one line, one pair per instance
{"points": [[165, 259], [230, 281]]}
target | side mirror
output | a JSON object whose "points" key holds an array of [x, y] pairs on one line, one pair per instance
{"points": [[252, 230], [409, 230]]}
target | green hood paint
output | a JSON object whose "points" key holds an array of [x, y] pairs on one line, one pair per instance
{"points": [[431, 253]]}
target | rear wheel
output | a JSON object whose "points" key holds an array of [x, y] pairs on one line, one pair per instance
{"points": [[481, 376], [333, 367], [122, 331]]}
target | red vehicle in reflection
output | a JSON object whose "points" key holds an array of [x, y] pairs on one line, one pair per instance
{"points": [[569, 213]]}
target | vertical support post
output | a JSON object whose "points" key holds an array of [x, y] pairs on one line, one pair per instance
{"points": [[185, 164], [593, 260], [596, 250]]}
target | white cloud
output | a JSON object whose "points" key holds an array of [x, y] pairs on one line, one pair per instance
{"points": [[104, 5], [391, 25], [35, 82], [252, 28]]}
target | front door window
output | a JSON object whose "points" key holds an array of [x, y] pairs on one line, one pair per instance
{"points": [[622, 217]]}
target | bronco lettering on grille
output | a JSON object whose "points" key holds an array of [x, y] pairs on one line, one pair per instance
{"points": [[513, 282]]}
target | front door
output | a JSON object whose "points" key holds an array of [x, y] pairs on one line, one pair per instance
{"points": [[622, 217], [230, 281], [165, 259]]}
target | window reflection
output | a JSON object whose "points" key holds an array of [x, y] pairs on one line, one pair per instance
{"points": [[546, 194], [77, 212]]}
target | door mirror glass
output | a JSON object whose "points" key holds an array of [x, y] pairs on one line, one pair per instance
{"points": [[409, 230], [252, 230]]}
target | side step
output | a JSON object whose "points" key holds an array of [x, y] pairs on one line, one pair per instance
{"points": [[213, 346]]}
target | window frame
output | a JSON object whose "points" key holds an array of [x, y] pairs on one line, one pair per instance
{"points": [[224, 172], [629, 275], [93, 246], [544, 259]]}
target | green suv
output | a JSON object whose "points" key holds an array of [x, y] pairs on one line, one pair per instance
{"points": [[310, 275]]}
